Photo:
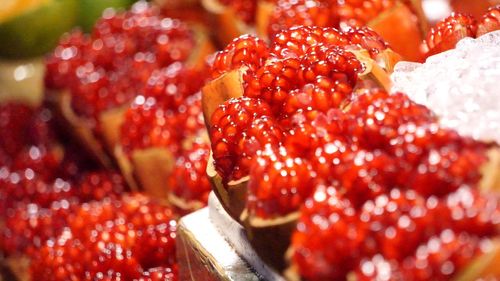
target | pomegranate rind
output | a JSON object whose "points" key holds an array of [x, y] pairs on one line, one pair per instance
{"points": [[217, 91], [229, 24], [484, 267], [474, 8], [490, 171], [263, 14], [270, 238], [376, 74], [203, 47], [126, 168], [79, 128], [180, 4], [405, 39], [232, 195], [111, 121], [151, 168]]}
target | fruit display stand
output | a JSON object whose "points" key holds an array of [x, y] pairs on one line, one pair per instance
{"points": [[213, 246]]}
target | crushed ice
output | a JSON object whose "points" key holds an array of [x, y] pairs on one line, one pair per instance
{"points": [[462, 86]]}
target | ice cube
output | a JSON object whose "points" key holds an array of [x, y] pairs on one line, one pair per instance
{"points": [[460, 86]]}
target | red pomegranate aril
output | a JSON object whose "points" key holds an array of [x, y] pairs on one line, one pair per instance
{"points": [[469, 211], [367, 39], [240, 127], [289, 13], [323, 95], [274, 81], [29, 226], [14, 126], [45, 164], [99, 185], [245, 51], [121, 238], [332, 62], [363, 175], [307, 132], [279, 183], [295, 41], [359, 13], [398, 221], [160, 274], [245, 9], [378, 116], [26, 187], [444, 256], [327, 241], [189, 180], [113, 66], [445, 169], [490, 21], [446, 34]]}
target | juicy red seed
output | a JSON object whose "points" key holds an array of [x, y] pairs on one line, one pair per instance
{"points": [[289, 13], [113, 65], [160, 274], [367, 39], [331, 62], [245, 9], [173, 84], [14, 127], [45, 164], [149, 123], [468, 210], [490, 21], [240, 127], [444, 256], [322, 95], [363, 175], [327, 241], [446, 34], [245, 51], [189, 180], [100, 185], [28, 226], [445, 169], [359, 13], [26, 187], [279, 184], [274, 81], [307, 131], [378, 267], [295, 41], [116, 238], [330, 70], [398, 222], [378, 116]]}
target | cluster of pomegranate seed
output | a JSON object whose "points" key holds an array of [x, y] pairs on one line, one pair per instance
{"points": [[377, 182], [112, 65], [188, 179], [128, 238], [167, 113], [341, 14], [446, 33], [244, 9], [398, 236], [288, 13], [34, 209], [305, 69]]}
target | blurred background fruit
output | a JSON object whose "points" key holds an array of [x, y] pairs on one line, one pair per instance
{"points": [[91, 10], [32, 27]]}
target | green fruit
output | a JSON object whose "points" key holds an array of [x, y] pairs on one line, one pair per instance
{"points": [[91, 10], [34, 29]]}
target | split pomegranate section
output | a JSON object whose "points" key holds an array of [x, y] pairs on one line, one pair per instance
{"points": [[446, 34], [370, 180], [304, 138]]}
